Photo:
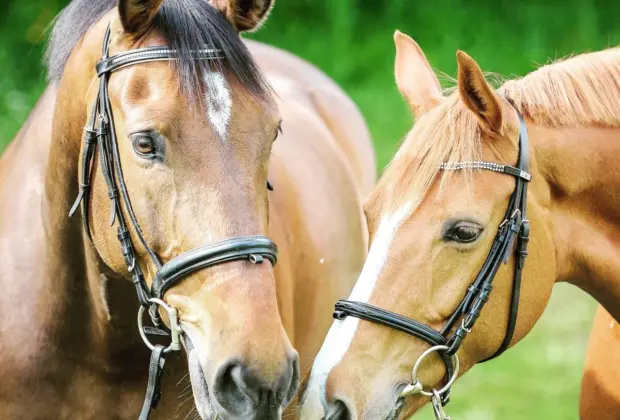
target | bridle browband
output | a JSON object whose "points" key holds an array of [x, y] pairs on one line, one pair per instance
{"points": [[100, 132], [515, 226]]}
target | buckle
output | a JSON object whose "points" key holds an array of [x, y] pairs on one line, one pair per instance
{"points": [[467, 330]]}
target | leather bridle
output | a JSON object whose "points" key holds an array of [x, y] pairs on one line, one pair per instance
{"points": [[515, 226], [100, 133]]}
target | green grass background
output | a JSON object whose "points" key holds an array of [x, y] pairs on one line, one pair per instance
{"points": [[351, 40]]}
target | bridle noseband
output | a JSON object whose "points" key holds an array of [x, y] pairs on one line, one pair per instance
{"points": [[515, 227], [100, 132]]}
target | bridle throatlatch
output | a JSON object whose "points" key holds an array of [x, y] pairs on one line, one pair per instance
{"points": [[515, 228], [100, 134]]}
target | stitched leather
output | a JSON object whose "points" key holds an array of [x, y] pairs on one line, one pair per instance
{"points": [[212, 254], [148, 54], [372, 313]]}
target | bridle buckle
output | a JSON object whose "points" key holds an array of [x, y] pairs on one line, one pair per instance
{"points": [[466, 329]]}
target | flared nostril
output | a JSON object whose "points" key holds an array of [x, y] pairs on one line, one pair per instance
{"points": [[234, 390], [338, 410], [240, 391]]}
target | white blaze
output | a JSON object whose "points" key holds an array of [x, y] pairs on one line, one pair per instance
{"points": [[341, 333], [219, 103]]}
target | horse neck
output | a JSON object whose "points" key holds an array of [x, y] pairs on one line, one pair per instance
{"points": [[94, 301], [579, 166]]}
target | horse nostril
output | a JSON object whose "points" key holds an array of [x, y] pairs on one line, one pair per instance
{"points": [[338, 410], [233, 389], [291, 380], [242, 392]]}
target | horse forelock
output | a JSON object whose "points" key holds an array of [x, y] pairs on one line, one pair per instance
{"points": [[187, 25], [582, 90]]}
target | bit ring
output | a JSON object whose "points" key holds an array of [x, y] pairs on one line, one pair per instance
{"points": [[175, 329], [416, 386]]}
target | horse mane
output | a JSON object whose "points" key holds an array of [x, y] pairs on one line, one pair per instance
{"points": [[582, 90], [187, 25]]}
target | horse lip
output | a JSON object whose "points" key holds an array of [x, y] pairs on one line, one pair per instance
{"points": [[186, 340], [200, 389]]}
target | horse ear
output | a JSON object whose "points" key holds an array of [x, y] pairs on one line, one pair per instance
{"points": [[137, 15], [414, 76], [476, 93], [244, 15]]}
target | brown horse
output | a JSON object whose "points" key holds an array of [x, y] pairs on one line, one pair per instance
{"points": [[442, 203], [195, 145]]}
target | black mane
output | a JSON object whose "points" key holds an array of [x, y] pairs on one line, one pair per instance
{"points": [[187, 25]]}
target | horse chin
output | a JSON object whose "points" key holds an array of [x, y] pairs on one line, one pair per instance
{"points": [[396, 411], [404, 408], [199, 387]]}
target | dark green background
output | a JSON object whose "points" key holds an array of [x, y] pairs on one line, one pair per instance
{"points": [[352, 41]]}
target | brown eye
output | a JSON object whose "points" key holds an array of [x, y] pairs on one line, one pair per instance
{"points": [[144, 145], [463, 232]]}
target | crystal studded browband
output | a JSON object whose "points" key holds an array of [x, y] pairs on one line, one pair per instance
{"points": [[489, 166]]}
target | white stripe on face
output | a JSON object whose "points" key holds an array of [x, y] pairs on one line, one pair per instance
{"points": [[341, 333], [219, 103]]}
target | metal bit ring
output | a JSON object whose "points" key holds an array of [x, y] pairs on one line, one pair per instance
{"points": [[175, 329], [416, 386]]}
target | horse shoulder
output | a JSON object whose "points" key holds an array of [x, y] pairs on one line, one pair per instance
{"points": [[600, 386]]}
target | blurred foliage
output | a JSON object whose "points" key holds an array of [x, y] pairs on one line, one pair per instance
{"points": [[22, 77], [352, 41]]}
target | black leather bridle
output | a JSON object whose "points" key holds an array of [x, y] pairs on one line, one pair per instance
{"points": [[100, 133], [515, 226]]}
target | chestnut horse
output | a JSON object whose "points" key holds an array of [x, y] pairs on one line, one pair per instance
{"points": [[195, 143], [441, 205], [600, 386]]}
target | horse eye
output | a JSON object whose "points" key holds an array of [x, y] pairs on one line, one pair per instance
{"points": [[144, 145], [463, 232]]}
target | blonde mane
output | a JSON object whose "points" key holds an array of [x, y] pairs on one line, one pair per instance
{"points": [[582, 90]]}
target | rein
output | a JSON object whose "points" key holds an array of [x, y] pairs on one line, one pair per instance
{"points": [[100, 134], [514, 228]]}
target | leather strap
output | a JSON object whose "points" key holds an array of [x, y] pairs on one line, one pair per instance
{"points": [[153, 388], [393, 320], [522, 240], [252, 248], [398, 322], [149, 54]]}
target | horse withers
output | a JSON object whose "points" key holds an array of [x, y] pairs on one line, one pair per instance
{"points": [[494, 197], [171, 139]]}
